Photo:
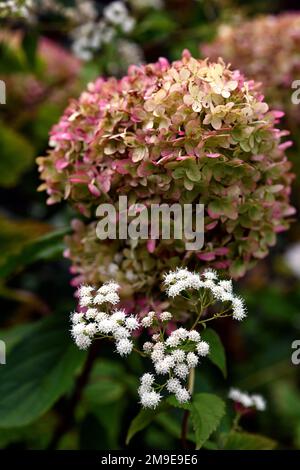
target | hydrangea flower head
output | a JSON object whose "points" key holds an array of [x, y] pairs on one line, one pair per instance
{"points": [[188, 131]]}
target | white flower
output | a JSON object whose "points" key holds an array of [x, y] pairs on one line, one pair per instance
{"points": [[181, 370], [76, 317], [210, 274], [115, 13], [147, 347], [112, 298], [91, 329], [165, 316], [203, 348], [91, 313], [226, 285], [163, 366], [124, 347], [173, 385], [118, 315], [148, 320], [99, 299], [107, 326], [85, 290], [239, 310], [191, 359], [121, 332], [178, 355], [132, 323], [157, 355], [101, 316], [78, 329], [177, 288], [150, 399], [147, 379], [108, 288], [246, 400], [194, 336], [259, 402], [182, 395], [172, 341], [83, 341], [128, 24], [85, 300]]}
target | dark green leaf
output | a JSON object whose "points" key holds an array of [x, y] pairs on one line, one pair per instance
{"points": [[247, 441], [16, 156], [39, 370], [217, 352], [45, 247], [142, 419]]}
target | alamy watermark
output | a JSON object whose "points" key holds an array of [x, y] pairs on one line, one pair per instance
{"points": [[295, 358], [2, 352], [2, 92], [156, 221]]}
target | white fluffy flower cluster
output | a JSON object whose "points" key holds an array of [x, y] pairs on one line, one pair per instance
{"points": [[94, 322], [221, 290], [145, 4], [174, 357], [92, 34], [246, 400], [19, 8]]}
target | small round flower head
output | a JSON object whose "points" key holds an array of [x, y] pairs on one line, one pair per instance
{"points": [[147, 347], [166, 316], [132, 323], [191, 359], [173, 385], [118, 315], [148, 319], [182, 395], [164, 366], [99, 299], [83, 341], [210, 274], [181, 370], [178, 355], [108, 287], [156, 337], [259, 402], [76, 318], [240, 397], [150, 399], [124, 347], [112, 298], [194, 336], [177, 288], [203, 348], [202, 100], [157, 354], [91, 329], [91, 313], [173, 341], [101, 316], [226, 285]]}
